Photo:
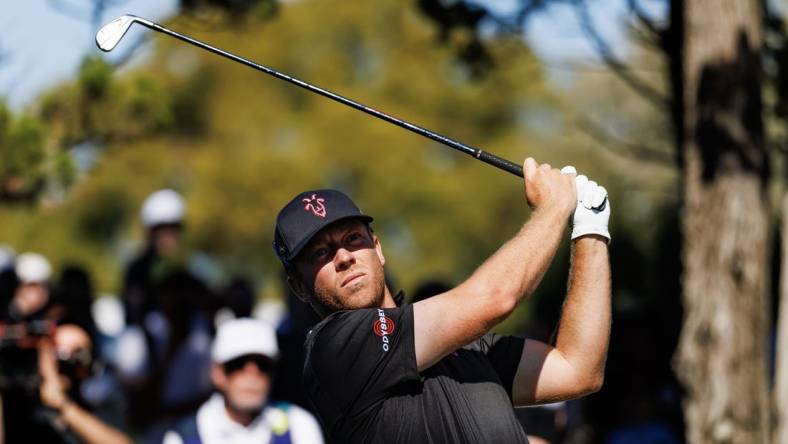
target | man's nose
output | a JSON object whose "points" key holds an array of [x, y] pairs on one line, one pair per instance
{"points": [[344, 259], [251, 367]]}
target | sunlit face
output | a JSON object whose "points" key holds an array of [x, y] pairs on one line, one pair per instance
{"points": [[341, 268], [244, 382]]}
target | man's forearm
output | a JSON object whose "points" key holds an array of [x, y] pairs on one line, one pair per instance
{"points": [[516, 269], [585, 322], [89, 428]]}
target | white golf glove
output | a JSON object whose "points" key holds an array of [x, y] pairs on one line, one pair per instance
{"points": [[593, 207]]}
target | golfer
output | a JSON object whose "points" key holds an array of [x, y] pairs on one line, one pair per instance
{"points": [[430, 372]]}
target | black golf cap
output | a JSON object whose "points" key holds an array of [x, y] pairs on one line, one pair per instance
{"points": [[307, 214]]}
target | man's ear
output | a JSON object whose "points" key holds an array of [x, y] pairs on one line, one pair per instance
{"points": [[379, 249], [218, 377]]}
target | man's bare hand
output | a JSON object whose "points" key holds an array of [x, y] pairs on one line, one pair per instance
{"points": [[547, 188], [51, 391]]}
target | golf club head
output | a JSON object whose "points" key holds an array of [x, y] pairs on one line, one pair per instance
{"points": [[110, 34]]}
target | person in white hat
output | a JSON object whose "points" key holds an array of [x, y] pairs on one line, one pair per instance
{"points": [[244, 353], [162, 217], [32, 294]]}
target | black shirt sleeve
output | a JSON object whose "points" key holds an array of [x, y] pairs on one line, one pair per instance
{"points": [[504, 353], [356, 357]]}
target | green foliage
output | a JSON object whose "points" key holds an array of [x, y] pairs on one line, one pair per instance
{"points": [[190, 102], [100, 109], [101, 220], [239, 144], [95, 78], [22, 155]]}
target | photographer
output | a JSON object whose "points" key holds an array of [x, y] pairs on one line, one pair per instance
{"points": [[58, 413]]}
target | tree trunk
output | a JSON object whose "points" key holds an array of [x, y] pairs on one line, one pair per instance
{"points": [[781, 367], [722, 354]]}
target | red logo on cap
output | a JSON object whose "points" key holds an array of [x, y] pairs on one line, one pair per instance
{"points": [[383, 326], [315, 205]]}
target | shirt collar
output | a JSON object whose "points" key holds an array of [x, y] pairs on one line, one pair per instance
{"points": [[221, 422]]}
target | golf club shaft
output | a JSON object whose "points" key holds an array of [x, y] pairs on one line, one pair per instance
{"points": [[484, 156]]}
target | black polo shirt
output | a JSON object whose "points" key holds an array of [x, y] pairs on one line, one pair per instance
{"points": [[360, 373]]}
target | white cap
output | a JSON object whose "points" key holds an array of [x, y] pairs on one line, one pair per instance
{"points": [[32, 268], [162, 207], [109, 315], [245, 336]]}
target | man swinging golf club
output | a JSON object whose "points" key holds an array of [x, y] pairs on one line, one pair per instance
{"points": [[430, 372]]}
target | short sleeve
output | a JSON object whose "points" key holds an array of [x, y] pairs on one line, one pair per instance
{"points": [[355, 357], [504, 353]]}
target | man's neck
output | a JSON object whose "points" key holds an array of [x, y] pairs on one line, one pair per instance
{"points": [[388, 299], [241, 417]]}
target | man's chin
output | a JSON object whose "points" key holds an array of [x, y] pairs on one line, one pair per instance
{"points": [[248, 407], [354, 299], [363, 300]]}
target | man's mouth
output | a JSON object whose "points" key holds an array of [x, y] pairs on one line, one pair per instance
{"points": [[352, 278]]}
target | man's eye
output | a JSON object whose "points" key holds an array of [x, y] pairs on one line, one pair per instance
{"points": [[353, 238], [320, 253]]}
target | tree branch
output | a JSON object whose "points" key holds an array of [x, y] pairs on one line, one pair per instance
{"points": [[624, 148], [618, 68], [643, 19]]}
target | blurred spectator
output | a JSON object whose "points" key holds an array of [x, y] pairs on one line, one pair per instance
{"points": [[165, 361], [239, 297], [162, 216], [243, 359], [291, 334], [73, 295], [8, 284], [56, 411], [7, 257], [110, 319], [73, 300], [31, 298], [8, 280]]}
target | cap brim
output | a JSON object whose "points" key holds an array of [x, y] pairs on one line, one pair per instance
{"points": [[297, 249], [230, 356]]}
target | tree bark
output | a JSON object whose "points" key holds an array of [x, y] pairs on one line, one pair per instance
{"points": [[781, 365], [722, 355]]}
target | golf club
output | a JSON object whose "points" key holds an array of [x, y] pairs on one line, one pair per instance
{"points": [[110, 34]]}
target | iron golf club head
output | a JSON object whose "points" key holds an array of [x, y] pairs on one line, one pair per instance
{"points": [[110, 34]]}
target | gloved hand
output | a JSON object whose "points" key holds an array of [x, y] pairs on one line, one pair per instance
{"points": [[592, 213]]}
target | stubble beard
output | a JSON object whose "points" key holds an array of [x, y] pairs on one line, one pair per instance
{"points": [[370, 296]]}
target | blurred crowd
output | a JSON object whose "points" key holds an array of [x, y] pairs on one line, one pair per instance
{"points": [[172, 359], [178, 359]]}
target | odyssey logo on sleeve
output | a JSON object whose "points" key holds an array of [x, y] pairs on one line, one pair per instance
{"points": [[383, 327]]}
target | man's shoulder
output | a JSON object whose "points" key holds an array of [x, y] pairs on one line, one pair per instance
{"points": [[335, 324], [293, 421], [295, 413]]}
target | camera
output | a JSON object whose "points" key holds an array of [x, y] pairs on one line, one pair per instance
{"points": [[19, 353]]}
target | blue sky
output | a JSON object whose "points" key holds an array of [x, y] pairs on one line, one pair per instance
{"points": [[41, 45]]}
